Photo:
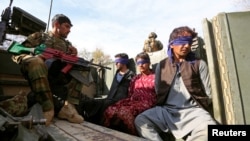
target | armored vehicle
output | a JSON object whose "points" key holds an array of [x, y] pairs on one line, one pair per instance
{"points": [[224, 46], [30, 127]]}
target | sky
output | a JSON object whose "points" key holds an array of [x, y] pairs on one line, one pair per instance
{"points": [[117, 26]]}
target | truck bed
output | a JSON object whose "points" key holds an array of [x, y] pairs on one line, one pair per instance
{"points": [[12, 81], [63, 130]]}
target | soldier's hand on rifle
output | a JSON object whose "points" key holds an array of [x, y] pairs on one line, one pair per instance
{"points": [[72, 51], [41, 56]]}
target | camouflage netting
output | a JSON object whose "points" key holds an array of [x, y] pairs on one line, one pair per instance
{"points": [[17, 105]]}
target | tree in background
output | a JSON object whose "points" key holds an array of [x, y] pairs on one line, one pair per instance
{"points": [[85, 54], [100, 57]]}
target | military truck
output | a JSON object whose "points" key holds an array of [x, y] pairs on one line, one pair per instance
{"points": [[17, 23], [224, 47]]}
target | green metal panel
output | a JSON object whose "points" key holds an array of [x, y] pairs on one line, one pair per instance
{"points": [[212, 61], [231, 39], [238, 24]]}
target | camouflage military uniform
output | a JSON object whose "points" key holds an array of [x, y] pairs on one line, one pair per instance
{"points": [[36, 71], [151, 44]]}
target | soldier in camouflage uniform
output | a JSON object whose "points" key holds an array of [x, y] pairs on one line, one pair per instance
{"points": [[151, 44], [38, 71]]}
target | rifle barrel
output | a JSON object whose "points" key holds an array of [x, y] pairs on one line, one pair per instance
{"points": [[86, 63]]}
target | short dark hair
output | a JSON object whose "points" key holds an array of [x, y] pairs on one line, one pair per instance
{"points": [[181, 31], [61, 18], [122, 55], [142, 55]]}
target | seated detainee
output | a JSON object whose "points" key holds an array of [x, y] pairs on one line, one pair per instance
{"points": [[183, 92], [92, 109], [141, 96]]}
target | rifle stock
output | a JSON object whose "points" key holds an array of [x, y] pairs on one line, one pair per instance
{"points": [[47, 53]]}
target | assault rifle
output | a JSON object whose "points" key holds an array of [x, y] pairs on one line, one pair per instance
{"points": [[47, 53]]}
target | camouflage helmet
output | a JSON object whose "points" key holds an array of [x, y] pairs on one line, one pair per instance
{"points": [[152, 35]]}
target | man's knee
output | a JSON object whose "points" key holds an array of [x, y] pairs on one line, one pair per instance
{"points": [[35, 66], [139, 120], [33, 60]]}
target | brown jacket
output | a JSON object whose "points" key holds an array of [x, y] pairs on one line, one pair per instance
{"points": [[191, 78]]}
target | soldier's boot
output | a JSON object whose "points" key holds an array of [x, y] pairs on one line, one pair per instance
{"points": [[48, 111], [48, 115], [69, 113]]}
